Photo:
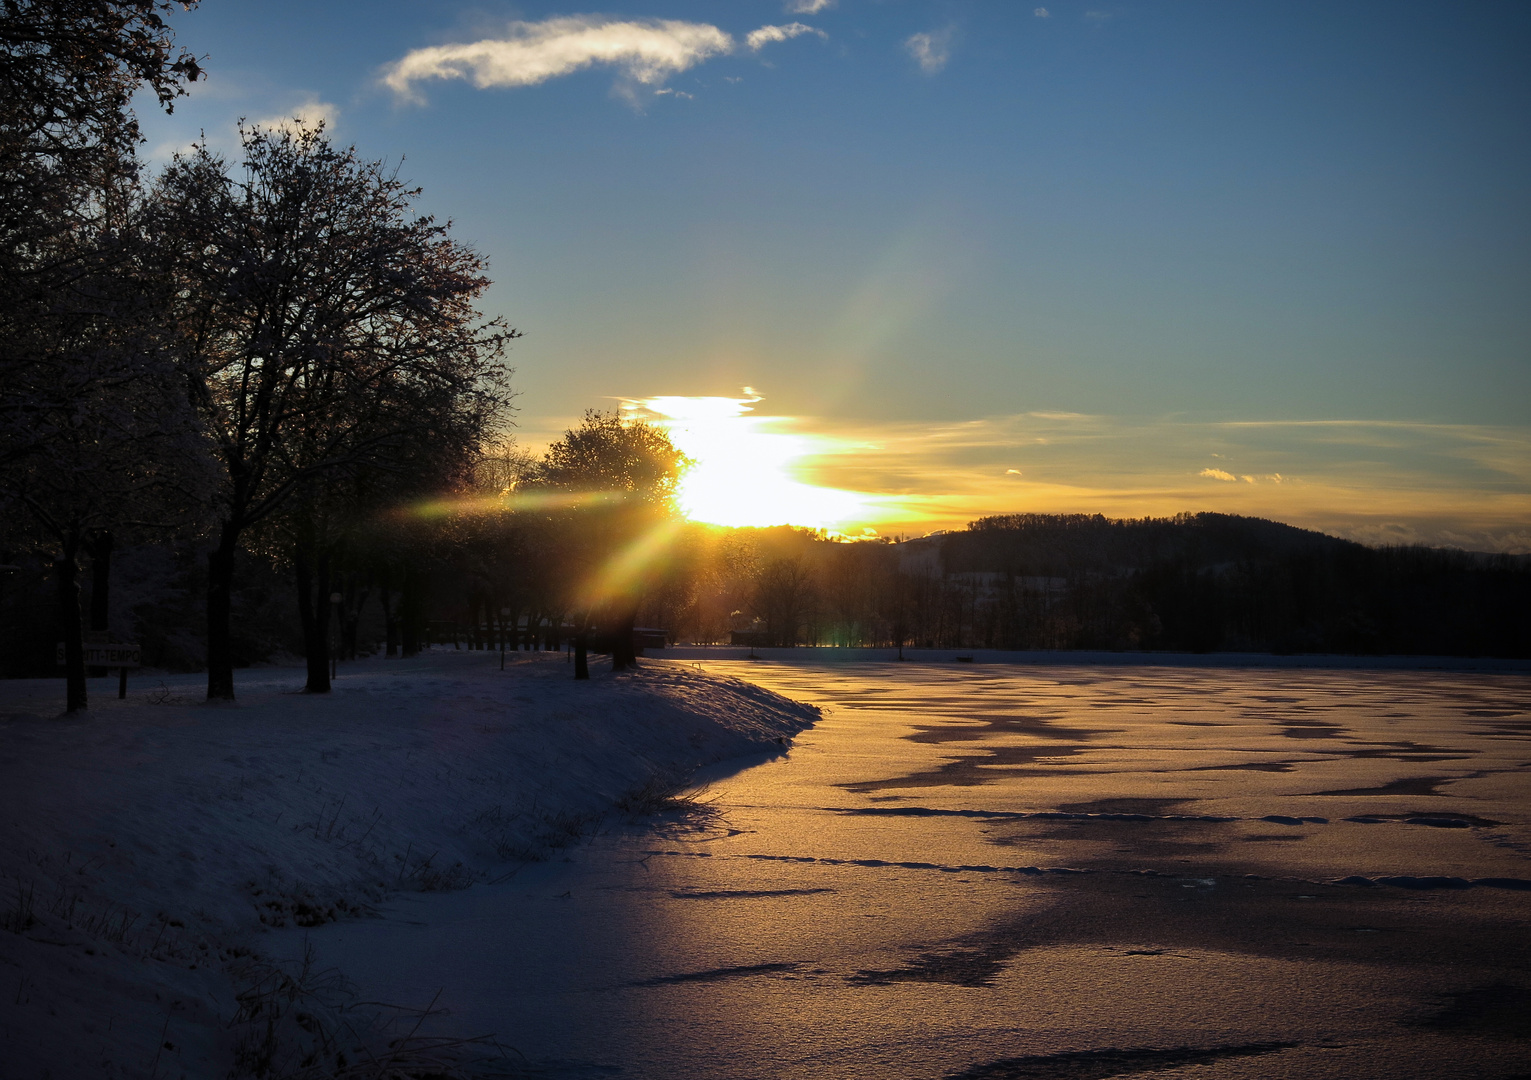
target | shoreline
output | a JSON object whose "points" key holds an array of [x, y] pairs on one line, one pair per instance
{"points": [[827, 654]]}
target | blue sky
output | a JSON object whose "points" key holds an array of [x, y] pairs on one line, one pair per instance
{"points": [[1175, 238]]}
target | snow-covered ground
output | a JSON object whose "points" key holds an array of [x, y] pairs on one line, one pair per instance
{"points": [[148, 842]]}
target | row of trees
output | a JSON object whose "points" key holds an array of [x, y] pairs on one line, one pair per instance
{"points": [[1200, 583], [276, 363], [517, 558], [254, 357]]}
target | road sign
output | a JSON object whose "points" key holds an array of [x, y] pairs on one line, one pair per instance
{"points": [[118, 656]]}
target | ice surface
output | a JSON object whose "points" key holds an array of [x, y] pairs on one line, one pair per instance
{"points": [[1007, 872]]}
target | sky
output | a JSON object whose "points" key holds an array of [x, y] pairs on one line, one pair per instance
{"points": [[892, 265]]}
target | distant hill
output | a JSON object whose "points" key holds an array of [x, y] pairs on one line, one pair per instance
{"points": [[1208, 582]]}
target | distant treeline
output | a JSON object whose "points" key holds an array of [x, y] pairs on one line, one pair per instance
{"points": [[1217, 582], [1200, 583], [1195, 582]]}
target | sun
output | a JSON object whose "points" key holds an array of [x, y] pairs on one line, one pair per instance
{"points": [[744, 465]]}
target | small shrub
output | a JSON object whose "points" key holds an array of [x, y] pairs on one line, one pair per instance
{"points": [[21, 915]]}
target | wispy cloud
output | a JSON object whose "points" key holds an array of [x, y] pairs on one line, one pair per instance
{"points": [[236, 103], [1042, 13], [306, 116], [1219, 474], [931, 50], [759, 39], [807, 7], [644, 52]]}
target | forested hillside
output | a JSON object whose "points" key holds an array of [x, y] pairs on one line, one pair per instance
{"points": [[1216, 582]]}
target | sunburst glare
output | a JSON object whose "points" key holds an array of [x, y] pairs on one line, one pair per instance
{"points": [[745, 471]]}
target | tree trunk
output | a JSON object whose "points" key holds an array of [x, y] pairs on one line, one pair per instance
{"points": [[581, 657], [100, 547], [220, 598], [314, 613], [67, 571], [350, 617], [410, 604], [623, 655], [388, 599]]}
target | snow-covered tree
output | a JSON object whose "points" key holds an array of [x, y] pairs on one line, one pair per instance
{"points": [[321, 327]]}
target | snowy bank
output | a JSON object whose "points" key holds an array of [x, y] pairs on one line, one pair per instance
{"points": [[831, 654], [148, 841]]}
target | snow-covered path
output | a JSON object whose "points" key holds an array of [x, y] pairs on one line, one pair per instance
{"points": [[994, 872], [151, 845]]}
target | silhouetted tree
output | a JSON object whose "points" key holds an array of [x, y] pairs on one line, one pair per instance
{"points": [[622, 475], [784, 596], [83, 413], [320, 326]]}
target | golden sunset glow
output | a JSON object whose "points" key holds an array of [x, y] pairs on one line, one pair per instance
{"points": [[623, 573], [746, 470], [1379, 482], [525, 500]]}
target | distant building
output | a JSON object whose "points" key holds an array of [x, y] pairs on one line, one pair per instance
{"points": [[649, 637]]}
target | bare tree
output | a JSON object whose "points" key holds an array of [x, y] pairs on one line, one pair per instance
{"points": [[321, 327], [784, 597], [90, 430], [126, 458]]}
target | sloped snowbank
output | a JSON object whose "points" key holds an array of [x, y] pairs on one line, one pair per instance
{"points": [[147, 842]]}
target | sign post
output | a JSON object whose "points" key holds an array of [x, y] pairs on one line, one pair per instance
{"points": [[122, 656]]}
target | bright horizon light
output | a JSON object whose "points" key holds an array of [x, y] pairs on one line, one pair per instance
{"points": [[744, 471]]}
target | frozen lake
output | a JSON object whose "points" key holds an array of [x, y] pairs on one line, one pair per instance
{"points": [[1012, 872]]}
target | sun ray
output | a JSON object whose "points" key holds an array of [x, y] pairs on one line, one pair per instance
{"points": [[624, 571]]}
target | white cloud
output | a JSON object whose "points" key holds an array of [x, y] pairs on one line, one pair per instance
{"points": [[307, 116], [807, 7], [931, 50], [1219, 474], [759, 39], [645, 52], [1042, 13]]}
